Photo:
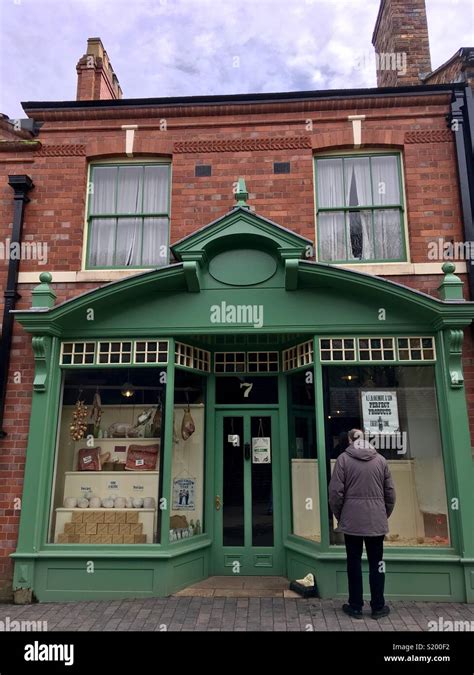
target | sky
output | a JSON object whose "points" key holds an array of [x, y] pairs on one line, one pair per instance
{"points": [[197, 47]]}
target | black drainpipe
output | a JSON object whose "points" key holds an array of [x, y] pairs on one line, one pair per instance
{"points": [[21, 185], [461, 121]]}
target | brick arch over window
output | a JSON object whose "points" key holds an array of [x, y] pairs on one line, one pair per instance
{"points": [[371, 138], [143, 146]]}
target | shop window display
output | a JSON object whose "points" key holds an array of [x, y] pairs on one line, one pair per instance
{"points": [[109, 453], [396, 408], [303, 456], [187, 472]]}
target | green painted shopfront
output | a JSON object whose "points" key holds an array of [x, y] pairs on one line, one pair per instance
{"points": [[206, 402]]}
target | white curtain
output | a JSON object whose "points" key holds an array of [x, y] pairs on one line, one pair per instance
{"points": [[330, 186], [155, 242], [386, 191], [156, 184], [332, 245], [385, 183], [102, 189], [128, 244], [388, 241], [358, 193], [330, 195], [102, 242], [129, 200]]}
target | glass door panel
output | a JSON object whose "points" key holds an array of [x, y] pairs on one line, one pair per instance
{"points": [[233, 531], [262, 496]]}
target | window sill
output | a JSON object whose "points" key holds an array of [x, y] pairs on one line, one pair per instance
{"points": [[377, 269], [83, 275], [401, 268]]}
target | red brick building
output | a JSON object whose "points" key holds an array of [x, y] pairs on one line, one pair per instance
{"points": [[199, 147]]}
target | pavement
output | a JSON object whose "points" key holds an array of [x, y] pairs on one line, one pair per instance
{"points": [[244, 604]]}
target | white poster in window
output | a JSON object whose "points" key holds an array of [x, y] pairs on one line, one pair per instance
{"points": [[261, 450], [184, 490], [380, 411]]}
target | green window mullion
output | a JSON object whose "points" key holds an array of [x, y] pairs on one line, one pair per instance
{"points": [[402, 233], [372, 216], [373, 232], [143, 218], [382, 207], [114, 259]]}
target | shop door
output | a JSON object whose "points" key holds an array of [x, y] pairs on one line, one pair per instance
{"points": [[246, 505]]}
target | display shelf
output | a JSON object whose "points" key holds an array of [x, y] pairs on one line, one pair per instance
{"points": [[112, 473], [110, 445], [125, 439], [111, 483]]}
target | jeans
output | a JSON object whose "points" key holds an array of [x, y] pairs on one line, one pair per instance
{"points": [[374, 548]]}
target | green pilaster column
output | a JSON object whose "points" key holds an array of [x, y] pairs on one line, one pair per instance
{"points": [[286, 487], [457, 445], [168, 447], [40, 457], [209, 456], [321, 446]]}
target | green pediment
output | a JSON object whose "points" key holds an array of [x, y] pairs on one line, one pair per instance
{"points": [[240, 229]]}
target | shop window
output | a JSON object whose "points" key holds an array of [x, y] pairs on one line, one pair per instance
{"points": [[187, 472], [77, 353], [128, 216], [396, 408], [337, 349], [246, 362], [360, 209], [306, 520], [109, 455], [192, 357], [298, 356]]}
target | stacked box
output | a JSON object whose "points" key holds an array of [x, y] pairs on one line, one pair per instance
{"points": [[99, 527]]}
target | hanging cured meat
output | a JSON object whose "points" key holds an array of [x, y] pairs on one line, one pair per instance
{"points": [[187, 425]]}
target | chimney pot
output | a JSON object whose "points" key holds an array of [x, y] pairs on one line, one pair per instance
{"points": [[96, 79]]}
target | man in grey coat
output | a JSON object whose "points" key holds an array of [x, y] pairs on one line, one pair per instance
{"points": [[362, 497]]}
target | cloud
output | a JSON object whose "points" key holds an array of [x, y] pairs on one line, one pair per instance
{"points": [[198, 47]]}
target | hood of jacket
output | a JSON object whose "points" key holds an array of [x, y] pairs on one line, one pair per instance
{"points": [[361, 449]]}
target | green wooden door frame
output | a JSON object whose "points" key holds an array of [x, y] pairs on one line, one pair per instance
{"points": [[247, 559]]}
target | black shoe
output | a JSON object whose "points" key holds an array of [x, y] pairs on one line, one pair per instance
{"points": [[380, 613], [350, 611]]}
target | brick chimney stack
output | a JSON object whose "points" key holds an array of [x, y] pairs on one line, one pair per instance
{"points": [[95, 76], [401, 42]]}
